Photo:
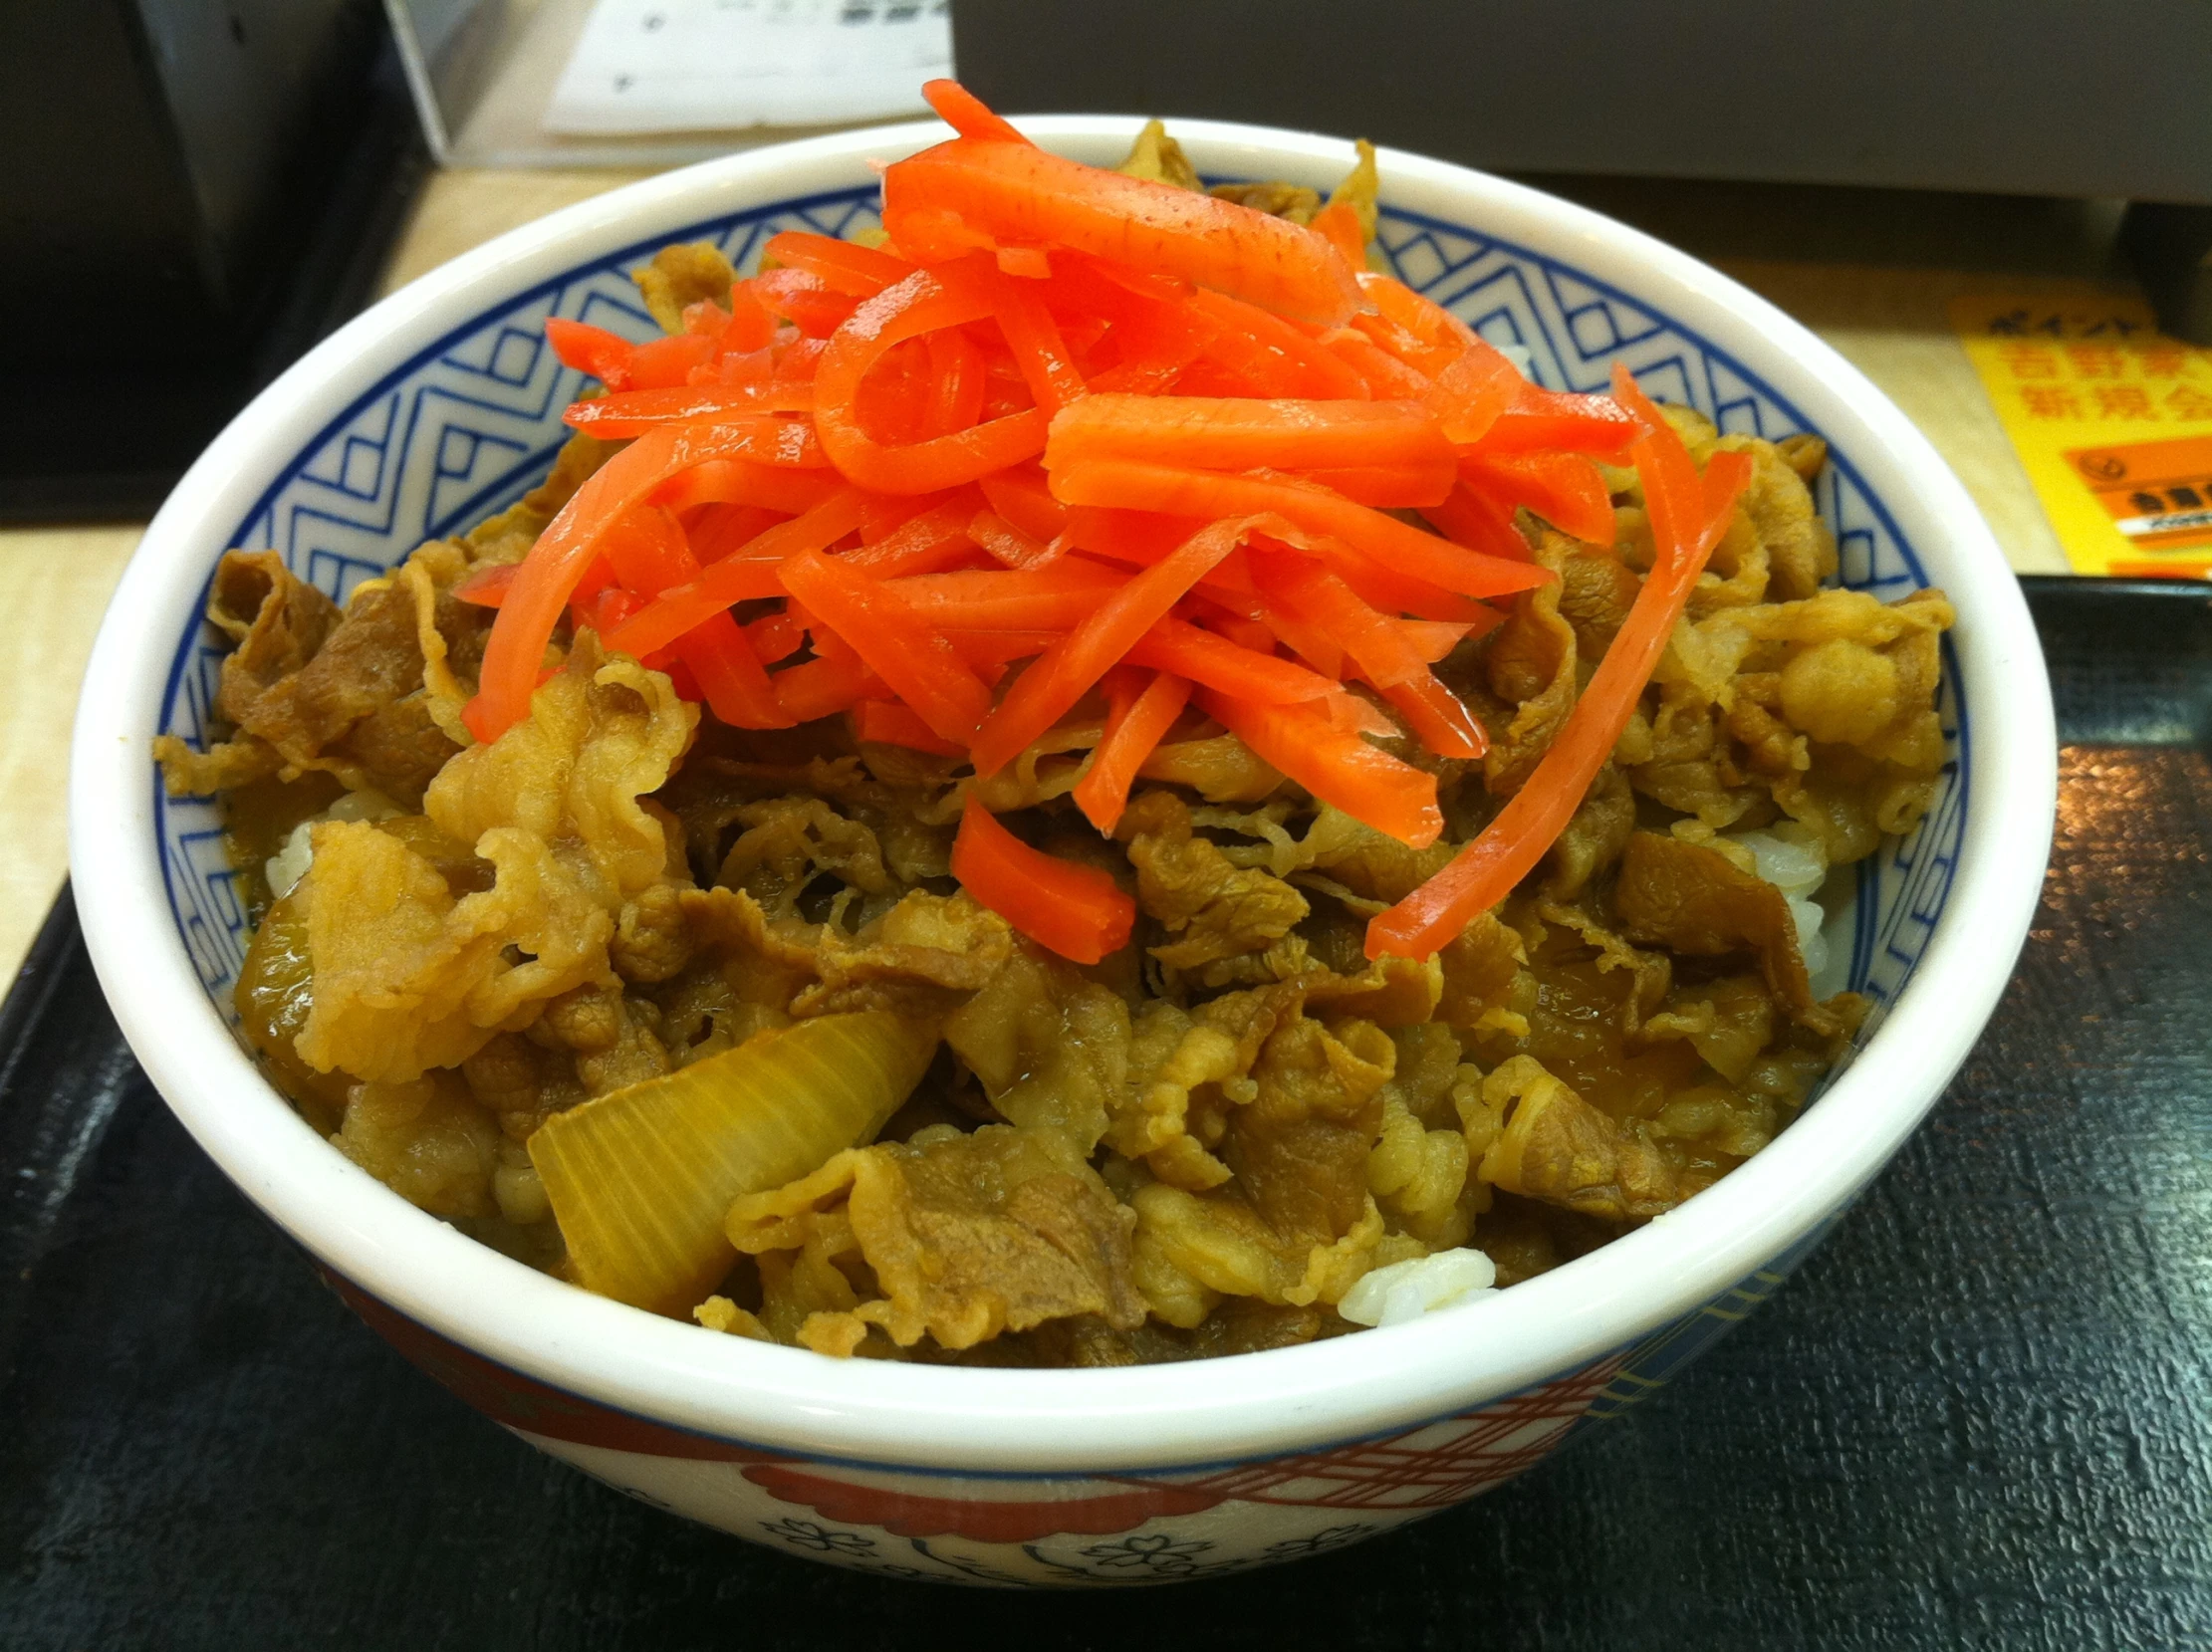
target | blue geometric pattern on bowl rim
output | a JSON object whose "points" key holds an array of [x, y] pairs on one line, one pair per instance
{"points": [[472, 422]]}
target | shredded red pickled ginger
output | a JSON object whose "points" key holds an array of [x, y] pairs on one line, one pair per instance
{"points": [[1148, 446]]}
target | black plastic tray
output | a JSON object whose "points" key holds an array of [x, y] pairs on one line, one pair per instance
{"points": [[1980, 1416]]}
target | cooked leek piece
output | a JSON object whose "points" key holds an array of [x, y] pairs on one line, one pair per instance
{"points": [[641, 1179]]}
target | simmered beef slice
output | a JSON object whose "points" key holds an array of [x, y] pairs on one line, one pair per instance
{"points": [[325, 690], [1694, 901]]}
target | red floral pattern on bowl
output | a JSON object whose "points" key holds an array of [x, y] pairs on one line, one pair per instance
{"points": [[1014, 1530]]}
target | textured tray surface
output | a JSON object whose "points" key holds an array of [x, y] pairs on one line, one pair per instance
{"points": [[1980, 1416]]}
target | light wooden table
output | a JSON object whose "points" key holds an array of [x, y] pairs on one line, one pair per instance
{"points": [[1870, 280]]}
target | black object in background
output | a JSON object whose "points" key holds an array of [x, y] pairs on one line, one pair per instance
{"points": [[192, 193], [2018, 96], [1979, 1417], [2170, 245], [2044, 97]]}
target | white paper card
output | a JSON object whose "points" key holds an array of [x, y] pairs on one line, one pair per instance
{"points": [[649, 66]]}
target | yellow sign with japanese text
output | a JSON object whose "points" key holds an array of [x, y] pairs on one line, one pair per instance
{"points": [[2111, 418]]}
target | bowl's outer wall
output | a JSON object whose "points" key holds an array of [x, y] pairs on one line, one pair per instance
{"points": [[1145, 1527], [442, 404]]}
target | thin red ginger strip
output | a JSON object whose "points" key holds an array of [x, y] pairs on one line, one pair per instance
{"points": [[1689, 514], [1076, 912], [1135, 724], [1069, 669]]}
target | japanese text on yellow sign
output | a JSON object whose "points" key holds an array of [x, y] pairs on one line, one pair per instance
{"points": [[2112, 421]]}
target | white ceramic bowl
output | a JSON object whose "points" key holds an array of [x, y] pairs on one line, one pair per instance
{"points": [[440, 404]]}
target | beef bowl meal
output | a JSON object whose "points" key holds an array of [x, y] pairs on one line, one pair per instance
{"points": [[1072, 853]]}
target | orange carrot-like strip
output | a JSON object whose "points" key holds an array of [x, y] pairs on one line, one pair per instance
{"points": [[1485, 872], [774, 636], [592, 350], [1056, 598], [1038, 349], [1474, 391], [1226, 434], [784, 441], [895, 641], [1438, 717], [923, 303], [1390, 487], [1418, 313], [936, 539], [1024, 263], [1075, 912], [958, 382], [749, 371], [796, 359], [604, 609], [1565, 489], [719, 531], [669, 361], [1469, 517], [1120, 687], [1244, 631], [1385, 540], [1432, 639], [515, 650], [883, 514], [1563, 421], [646, 550], [898, 404], [1154, 345], [1390, 590], [1338, 223], [971, 193], [823, 688], [1398, 592], [1141, 537], [887, 723], [487, 587], [750, 327], [707, 318], [828, 642], [1176, 645], [1024, 498], [1388, 377], [1135, 728], [753, 571], [802, 299], [1424, 360], [986, 650], [1305, 639], [648, 553], [1272, 354], [1358, 715], [1004, 542], [966, 113], [1336, 764], [740, 482], [1634, 403], [1144, 538], [1116, 620], [1428, 323], [1671, 489], [842, 266], [1384, 654]]}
